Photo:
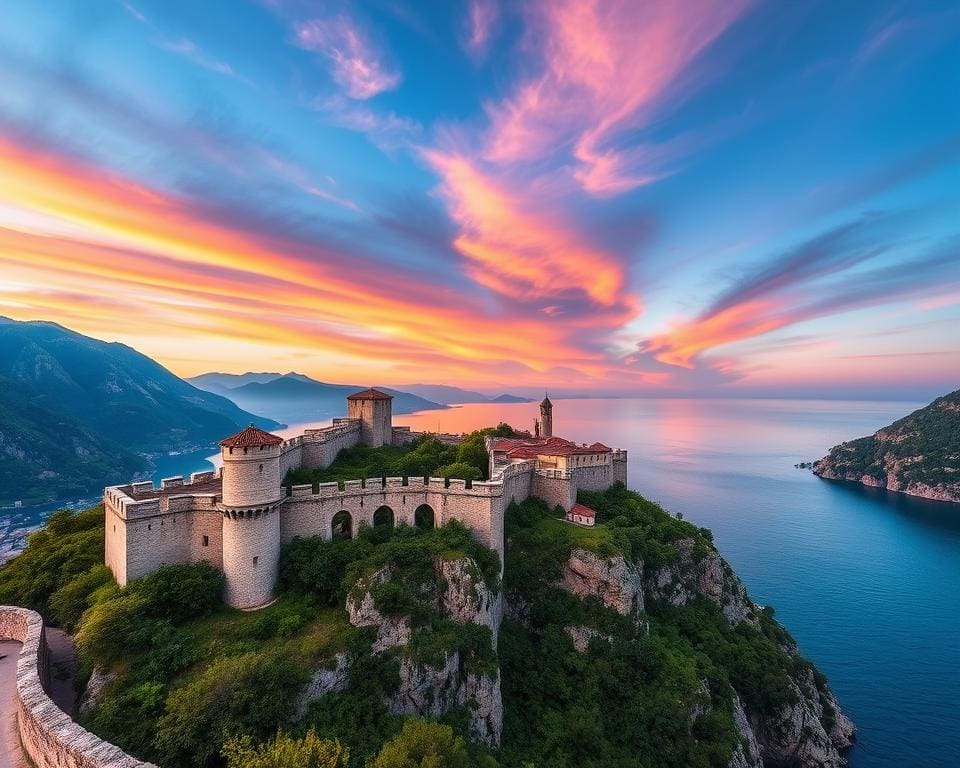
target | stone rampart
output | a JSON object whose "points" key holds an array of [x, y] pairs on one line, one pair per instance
{"points": [[49, 736]]}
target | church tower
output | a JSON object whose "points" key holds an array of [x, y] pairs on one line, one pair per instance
{"points": [[251, 518], [546, 417]]}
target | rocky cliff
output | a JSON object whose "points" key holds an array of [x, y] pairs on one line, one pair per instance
{"points": [[918, 455], [809, 731], [435, 680], [671, 615]]}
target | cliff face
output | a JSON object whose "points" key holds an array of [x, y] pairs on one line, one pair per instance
{"points": [[810, 730], [918, 455], [434, 682]]}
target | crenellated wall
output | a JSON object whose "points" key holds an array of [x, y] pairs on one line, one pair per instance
{"points": [[49, 736]]}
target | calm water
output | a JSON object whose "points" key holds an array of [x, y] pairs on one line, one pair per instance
{"points": [[868, 582]]}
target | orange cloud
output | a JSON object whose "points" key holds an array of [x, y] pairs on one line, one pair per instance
{"points": [[125, 261], [517, 252]]}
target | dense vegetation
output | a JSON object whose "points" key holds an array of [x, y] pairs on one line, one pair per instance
{"points": [[427, 457], [195, 684], [924, 446], [627, 700]]}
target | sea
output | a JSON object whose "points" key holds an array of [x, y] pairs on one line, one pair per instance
{"points": [[868, 582]]}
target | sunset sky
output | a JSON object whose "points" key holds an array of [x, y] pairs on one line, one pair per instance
{"points": [[648, 197]]}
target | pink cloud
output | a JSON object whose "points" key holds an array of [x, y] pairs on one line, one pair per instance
{"points": [[357, 65], [482, 18], [518, 250], [605, 68]]}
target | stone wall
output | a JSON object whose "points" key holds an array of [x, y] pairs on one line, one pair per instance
{"points": [[251, 547], [598, 477], [49, 736], [555, 489]]}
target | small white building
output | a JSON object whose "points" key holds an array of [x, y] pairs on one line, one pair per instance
{"points": [[582, 515]]}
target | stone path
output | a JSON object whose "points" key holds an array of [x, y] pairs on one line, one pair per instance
{"points": [[11, 755], [63, 670]]}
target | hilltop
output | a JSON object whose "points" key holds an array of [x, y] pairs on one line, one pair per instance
{"points": [[77, 413], [918, 455], [629, 644]]}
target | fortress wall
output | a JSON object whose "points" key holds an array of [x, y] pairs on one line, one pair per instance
{"points": [[209, 523], [291, 455], [555, 491], [49, 736], [620, 467], [115, 539], [595, 478], [321, 446], [155, 541]]}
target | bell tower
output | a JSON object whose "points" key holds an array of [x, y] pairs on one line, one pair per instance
{"points": [[546, 417]]}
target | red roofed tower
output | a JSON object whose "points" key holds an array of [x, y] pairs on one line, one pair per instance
{"points": [[251, 520], [374, 409]]}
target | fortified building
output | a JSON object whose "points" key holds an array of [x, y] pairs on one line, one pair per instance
{"points": [[239, 517]]}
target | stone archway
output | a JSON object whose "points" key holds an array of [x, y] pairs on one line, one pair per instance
{"points": [[341, 527], [424, 518], [383, 517]]}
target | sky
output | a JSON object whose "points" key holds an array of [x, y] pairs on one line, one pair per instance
{"points": [[649, 197]]}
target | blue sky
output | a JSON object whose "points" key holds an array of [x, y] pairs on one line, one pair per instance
{"points": [[666, 197]]}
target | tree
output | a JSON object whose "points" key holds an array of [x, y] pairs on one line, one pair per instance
{"points": [[285, 752], [423, 744], [458, 470]]}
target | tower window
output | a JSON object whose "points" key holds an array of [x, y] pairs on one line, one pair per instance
{"points": [[149, 526], [206, 541], [255, 559], [261, 468]]}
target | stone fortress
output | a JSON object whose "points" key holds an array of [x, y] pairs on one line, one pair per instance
{"points": [[239, 517]]}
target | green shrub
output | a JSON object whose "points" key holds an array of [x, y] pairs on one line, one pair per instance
{"points": [[286, 752], [249, 695], [69, 544], [180, 592], [69, 602], [423, 744]]}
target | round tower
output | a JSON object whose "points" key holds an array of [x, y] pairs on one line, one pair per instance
{"points": [[546, 417], [251, 519]]}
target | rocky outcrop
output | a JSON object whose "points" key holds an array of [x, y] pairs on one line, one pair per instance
{"points": [[812, 732], [617, 583], [99, 679], [918, 455], [391, 631], [700, 573], [325, 680], [433, 689], [801, 734]]}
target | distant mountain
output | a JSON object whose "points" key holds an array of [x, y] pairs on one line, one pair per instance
{"points": [[294, 397], [918, 455], [448, 395], [76, 412], [511, 399], [443, 393]]}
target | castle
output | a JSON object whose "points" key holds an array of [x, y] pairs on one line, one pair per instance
{"points": [[239, 517]]}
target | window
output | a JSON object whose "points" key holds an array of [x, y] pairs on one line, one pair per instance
{"points": [[206, 541], [261, 468], [149, 526], [255, 559]]}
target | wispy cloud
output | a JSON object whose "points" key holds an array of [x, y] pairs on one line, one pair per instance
{"points": [[482, 17], [817, 279], [604, 69], [190, 50], [357, 65]]}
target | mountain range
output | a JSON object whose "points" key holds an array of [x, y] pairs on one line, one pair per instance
{"points": [[294, 398], [77, 413], [429, 396]]}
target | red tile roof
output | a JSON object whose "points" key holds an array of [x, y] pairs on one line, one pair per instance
{"points": [[370, 394], [249, 438], [530, 448], [580, 509]]}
